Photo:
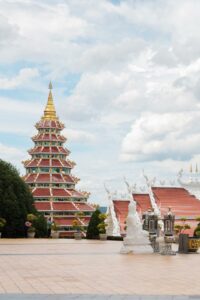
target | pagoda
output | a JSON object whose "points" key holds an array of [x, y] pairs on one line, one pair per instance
{"points": [[48, 174]]}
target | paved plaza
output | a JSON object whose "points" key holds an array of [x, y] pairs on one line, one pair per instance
{"points": [[68, 269]]}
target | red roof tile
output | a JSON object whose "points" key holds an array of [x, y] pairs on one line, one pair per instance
{"points": [[43, 178], [121, 210], [143, 202], [56, 163], [60, 193], [41, 192], [179, 199], [49, 124], [84, 206], [62, 206], [42, 206], [29, 178], [44, 163], [76, 194]]}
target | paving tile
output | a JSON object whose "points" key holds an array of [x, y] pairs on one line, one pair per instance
{"points": [[93, 269]]}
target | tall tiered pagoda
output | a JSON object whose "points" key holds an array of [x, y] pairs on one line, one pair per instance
{"points": [[48, 173]]}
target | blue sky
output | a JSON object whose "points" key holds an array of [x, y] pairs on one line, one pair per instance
{"points": [[126, 77]]}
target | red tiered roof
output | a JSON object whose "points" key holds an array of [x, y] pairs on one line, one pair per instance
{"points": [[76, 194], [68, 178], [60, 193], [179, 199], [44, 163], [86, 220], [66, 221], [143, 202], [121, 210], [29, 178], [42, 206], [48, 137], [49, 150], [60, 206], [42, 178], [49, 124], [41, 192], [84, 206]]}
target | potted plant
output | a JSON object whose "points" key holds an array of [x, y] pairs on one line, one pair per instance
{"points": [[2, 224], [54, 231], [31, 232], [197, 229], [78, 230], [29, 225], [102, 227]]}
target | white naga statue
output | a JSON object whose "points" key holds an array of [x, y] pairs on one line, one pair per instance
{"points": [[137, 239]]}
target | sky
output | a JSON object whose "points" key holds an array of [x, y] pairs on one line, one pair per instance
{"points": [[126, 84]]}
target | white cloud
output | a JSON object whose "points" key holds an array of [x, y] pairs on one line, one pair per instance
{"points": [[162, 136], [78, 135], [24, 77], [12, 154], [135, 64]]}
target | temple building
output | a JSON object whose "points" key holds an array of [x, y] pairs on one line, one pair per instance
{"points": [[48, 174], [182, 200]]}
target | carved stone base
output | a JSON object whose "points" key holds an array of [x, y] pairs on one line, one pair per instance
{"points": [[136, 249]]}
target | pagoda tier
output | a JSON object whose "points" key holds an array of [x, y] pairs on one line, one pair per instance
{"points": [[49, 178], [43, 162], [43, 137], [48, 173], [49, 125], [49, 150]]}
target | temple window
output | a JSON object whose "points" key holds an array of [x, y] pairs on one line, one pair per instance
{"points": [[44, 170]]}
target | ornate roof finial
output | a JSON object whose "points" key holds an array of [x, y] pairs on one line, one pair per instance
{"points": [[191, 168], [50, 86], [197, 169], [50, 112]]}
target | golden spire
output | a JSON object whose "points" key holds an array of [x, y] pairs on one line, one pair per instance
{"points": [[50, 112]]}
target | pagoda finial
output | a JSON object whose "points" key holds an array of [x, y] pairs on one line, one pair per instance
{"points": [[50, 112], [50, 86]]}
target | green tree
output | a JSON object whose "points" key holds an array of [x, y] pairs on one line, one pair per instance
{"points": [[102, 225], [40, 225], [93, 230], [16, 201]]}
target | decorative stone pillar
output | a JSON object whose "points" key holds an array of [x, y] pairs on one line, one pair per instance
{"points": [[169, 219]]}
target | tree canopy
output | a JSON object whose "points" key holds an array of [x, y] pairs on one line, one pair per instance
{"points": [[93, 230], [16, 201]]}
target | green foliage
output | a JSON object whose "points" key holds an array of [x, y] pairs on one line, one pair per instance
{"points": [[180, 228], [16, 201], [54, 226], [183, 219], [2, 223], [80, 214], [76, 226], [197, 231], [31, 217], [198, 219], [102, 225], [31, 229], [93, 230], [40, 225]]}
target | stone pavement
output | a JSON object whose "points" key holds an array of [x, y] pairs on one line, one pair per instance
{"points": [[93, 297], [68, 269]]}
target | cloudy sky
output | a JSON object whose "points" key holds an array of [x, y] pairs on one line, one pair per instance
{"points": [[126, 78]]}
